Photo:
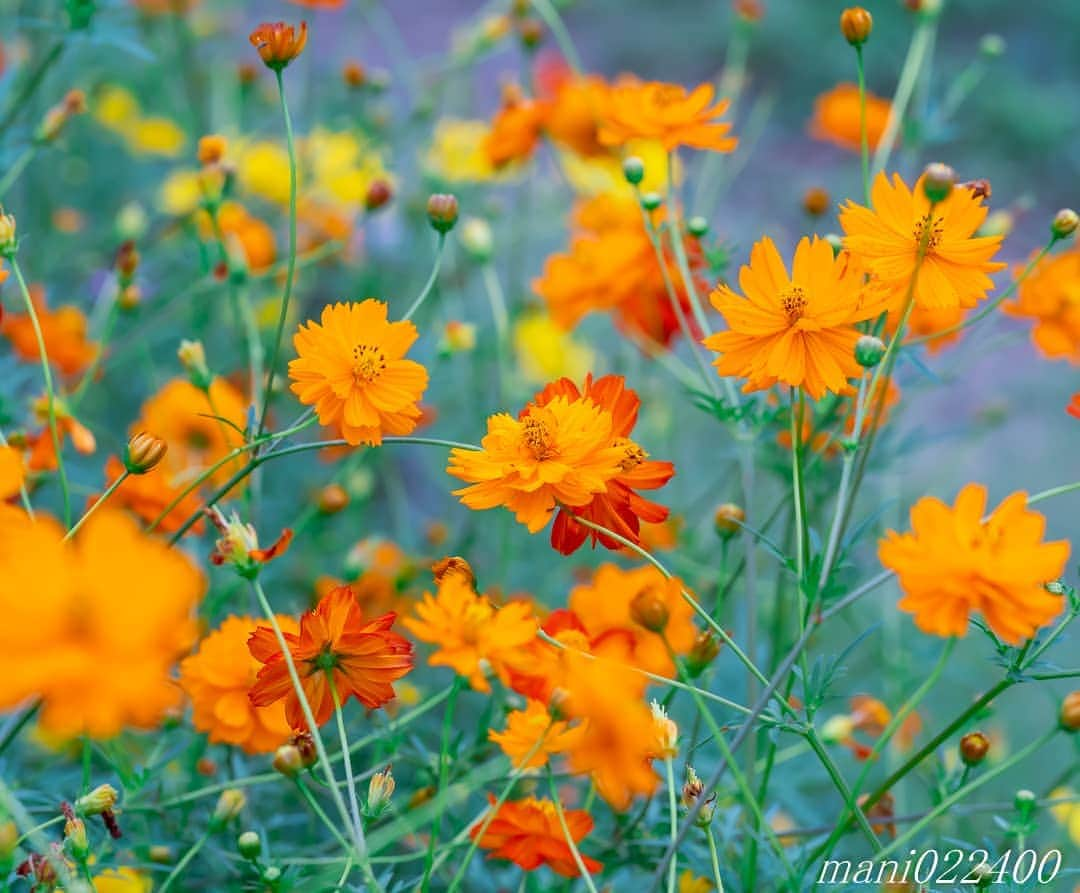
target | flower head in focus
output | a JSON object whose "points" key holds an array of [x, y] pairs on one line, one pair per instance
{"points": [[528, 833], [278, 44], [666, 112]]}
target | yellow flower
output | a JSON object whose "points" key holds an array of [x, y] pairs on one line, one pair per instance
{"points": [[122, 880], [262, 169], [180, 193], [688, 883], [116, 109], [525, 728], [1068, 814], [156, 136], [342, 167], [603, 174], [457, 153], [546, 352]]}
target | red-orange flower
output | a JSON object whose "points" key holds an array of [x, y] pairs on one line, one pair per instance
{"points": [[837, 117], [337, 647], [515, 130], [665, 112], [619, 508], [63, 331], [278, 44], [1073, 408], [528, 833], [1050, 296]]}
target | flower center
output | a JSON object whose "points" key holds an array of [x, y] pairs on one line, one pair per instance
{"points": [[793, 302], [669, 94], [930, 229], [537, 437], [633, 456], [368, 363], [325, 660]]}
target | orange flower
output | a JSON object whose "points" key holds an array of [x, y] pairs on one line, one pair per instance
{"points": [[217, 678], [94, 643], [383, 576], [1073, 408], [573, 108], [885, 240], [42, 448], [148, 495], [278, 44], [528, 833], [620, 736], [926, 322], [533, 730], [837, 117], [604, 606], [351, 368], [245, 235], [12, 472], [63, 331], [471, 634], [558, 454], [320, 4], [619, 508], [665, 112], [797, 329], [200, 428], [1051, 297], [335, 647], [611, 266], [515, 130], [954, 562]]}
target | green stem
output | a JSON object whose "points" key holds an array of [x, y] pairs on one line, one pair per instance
{"points": [[17, 167], [21, 100], [320, 814], [570, 842], [50, 390], [290, 274], [112, 488], [430, 284], [547, 11], [350, 783], [185, 860], [443, 778], [673, 811], [864, 145], [714, 859]]}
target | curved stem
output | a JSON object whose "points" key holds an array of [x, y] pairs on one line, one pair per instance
{"points": [[113, 487], [430, 284], [185, 860], [290, 274], [443, 777], [570, 842], [546, 10]]}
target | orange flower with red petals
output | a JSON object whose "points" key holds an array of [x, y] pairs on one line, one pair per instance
{"points": [[528, 833]]}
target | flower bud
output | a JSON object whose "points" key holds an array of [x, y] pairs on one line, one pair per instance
{"points": [[649, 609], [838, 729], [693, 788], [380, 790], [1070, 712], [249, 845], [192, 357], [1064, 223], [869, 350], [633, 169], [230, 804], [697, 226], [728, 520], [476, 239], [453, 565], [531, 33], [982, 875], [160, 854], [379, 194], [992, 45], [702, 653], [856, 24], [144, 451], [74, 103], [835, 242], [278, 44], [354, 75], [1025, 802], [212, 149], [815, 201], [127, 261], [938, 181], [650, 201], [442, 212], [667, 733], [309, 754], [272, 874], [457, 337], [101, 799], [8, 242], [287, 760], [974, 747], [75, 839], [333, 498]]}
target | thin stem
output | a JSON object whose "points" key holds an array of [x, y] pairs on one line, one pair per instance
{"points": [[112, 488], [430, 284], [320, 813], [443, 777], [547, 11], [864, 144], [570, 842], [798, 406], [17, 167], [350, 783], [714, 859], [21, 100], [845, 483], [673, 811], [50, 390], [290, 274], [185, 860]]}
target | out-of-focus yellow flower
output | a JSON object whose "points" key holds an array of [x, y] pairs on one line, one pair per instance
{"points": [[156, 136], [180, 193], [545, 352], [122, 880], [603, 174], [1068, 814], [116, 109], [689, 883], [457, 153], [342, 167], [263, 169]]}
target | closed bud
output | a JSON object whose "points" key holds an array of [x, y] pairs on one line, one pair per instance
{"points": [[442, 212], [74, 103], [1025, 802], [650, 201], [982, 876], [649, 609], [457, 337], [531, 33], [728, 520], [815, 201], [144, 451], [129, 297], [992, 45], [287, 761], [76, 840], [249, 845], [101, 799], [380, 790], [1070, 712], [974, 747], [160, 854], [693, 788], [453, 565], [477, 240], [1064, 223], [869, 350], [835, 242], [633, 169], [8, 242], [856, 24], [379, 194], [938, 182], [702, 653], [697, 226], [212, 149], [192, 357], [230, 804], [332, 499], [127, 260], [303, 742], [354, 75], [9, 840]]}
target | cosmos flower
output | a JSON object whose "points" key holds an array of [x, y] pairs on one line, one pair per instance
{"points": [[278, 44], [797, 329], [528, 833], [337, 647], [666, 112], [352, 369], [885, 240], [63, 330], [533, 730], [954, 563], [1050, 296], [837, 117]]}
